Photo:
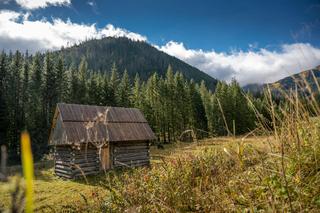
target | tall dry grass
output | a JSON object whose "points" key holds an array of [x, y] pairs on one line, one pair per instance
{"points": [[284, 176]]}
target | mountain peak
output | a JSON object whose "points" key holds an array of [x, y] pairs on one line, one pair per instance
{"points": [[134, 56]]}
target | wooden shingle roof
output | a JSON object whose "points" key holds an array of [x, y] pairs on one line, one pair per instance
{"points": [[74, 123]]}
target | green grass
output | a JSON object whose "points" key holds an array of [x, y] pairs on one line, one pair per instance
{"points": [[52, 192]]}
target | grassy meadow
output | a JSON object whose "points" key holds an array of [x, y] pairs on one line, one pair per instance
{"points": [[220, 174], [54, 194]]}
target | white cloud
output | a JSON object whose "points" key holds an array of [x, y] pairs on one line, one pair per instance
{"points": [[17, 31], [35, 4], [260, 66]]}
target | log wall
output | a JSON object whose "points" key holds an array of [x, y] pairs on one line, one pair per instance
{"points": [[72, 163], [130, 154]]}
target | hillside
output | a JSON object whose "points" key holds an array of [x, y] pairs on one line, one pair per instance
{"points": [[303, 80], [136, 57], [300, 79]]}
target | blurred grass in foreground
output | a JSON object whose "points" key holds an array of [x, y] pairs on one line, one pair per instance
{"points": [[27, 163]]}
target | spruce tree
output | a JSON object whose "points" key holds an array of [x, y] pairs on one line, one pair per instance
{"points": [[95, 90], [123, 91], [107, 92], [136, 93], [113, 85], [150, 104], [82, 82], [25, 93], [3, 105], [50, 96], [218, 109], [62, 80], [179, 104], [170, 84], [197, 114], [74, 85], [207, 102], [241, 112]]}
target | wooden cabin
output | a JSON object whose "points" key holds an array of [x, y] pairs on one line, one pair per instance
{"points": [[90, 139]]}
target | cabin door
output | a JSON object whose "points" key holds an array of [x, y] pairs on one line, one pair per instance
{"points": [[105, 157]]}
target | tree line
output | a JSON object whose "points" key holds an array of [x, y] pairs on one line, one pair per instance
{"points": [[32, 85]]}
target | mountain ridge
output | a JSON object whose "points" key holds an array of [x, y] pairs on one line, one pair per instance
{"points": [[303, 80], [134, 56]]}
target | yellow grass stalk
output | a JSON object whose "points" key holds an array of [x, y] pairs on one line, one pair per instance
{"points": [[27, 163]]}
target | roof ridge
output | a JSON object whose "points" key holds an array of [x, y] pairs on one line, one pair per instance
{"points": [[77, 121], [88, 105]]}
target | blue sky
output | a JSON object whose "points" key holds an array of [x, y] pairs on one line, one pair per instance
{"points": [[219, 24], [198, 32]]}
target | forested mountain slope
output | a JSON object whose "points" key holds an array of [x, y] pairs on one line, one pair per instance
{"points": [[309, 77], [304, 80], [136, 57]]}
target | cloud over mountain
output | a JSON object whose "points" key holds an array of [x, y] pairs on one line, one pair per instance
{"points": [[17, 31], [251, 66]]}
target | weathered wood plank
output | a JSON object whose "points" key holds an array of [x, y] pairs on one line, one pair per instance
{"points": [[135, 158], [132, 149], [63, 159], [85, 161], [85, 157], [83, 152], [64, 175], [116, 148], [62, 162], [63, 155], [127, 144], [133, 154], [86, 164], [62, 151], [59, 148], [68, 172], [126, 152], [58, 166]]}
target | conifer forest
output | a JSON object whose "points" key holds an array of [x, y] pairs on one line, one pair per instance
{"points": [[32, 85]]}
